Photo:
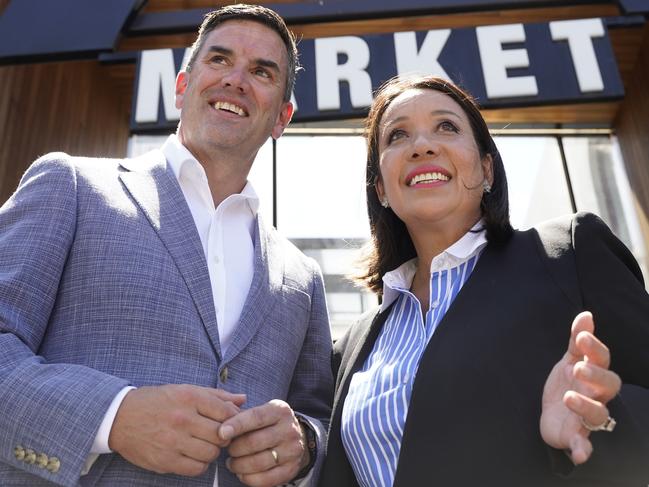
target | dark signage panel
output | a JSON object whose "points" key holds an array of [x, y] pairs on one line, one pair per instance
{"points": [[33, 30], [502, 66], [327, 9], [635, 6], [340, 10]]}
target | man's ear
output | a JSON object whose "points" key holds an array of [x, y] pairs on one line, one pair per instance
{"points": [[181, 87], [283, 119]]}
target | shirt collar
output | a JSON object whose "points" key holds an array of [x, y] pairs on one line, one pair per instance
{"points": [[399, 279], [183, 162]]}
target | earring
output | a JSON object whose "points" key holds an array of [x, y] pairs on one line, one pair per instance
{"points": [[486, 187], [384, 203]]}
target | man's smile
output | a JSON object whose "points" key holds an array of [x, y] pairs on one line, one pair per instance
{"points": [[230, 107]]}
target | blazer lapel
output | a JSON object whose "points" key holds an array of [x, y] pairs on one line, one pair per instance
{"points": [[265, 288], [465, 312], [361, 346], [156, 191], [337, 470]]}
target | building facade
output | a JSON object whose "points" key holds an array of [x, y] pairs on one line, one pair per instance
{"points": [[563, 86]]}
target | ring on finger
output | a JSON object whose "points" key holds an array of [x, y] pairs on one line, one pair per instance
{"points": [[275, 455], [608, 425]]}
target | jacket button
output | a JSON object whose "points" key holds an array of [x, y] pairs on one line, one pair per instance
{"points": [[53, 465], [224, 374], [30, 456], [41, 460], [19, 452]]}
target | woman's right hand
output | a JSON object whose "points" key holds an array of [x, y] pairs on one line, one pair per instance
{"points": [[577, 391]]}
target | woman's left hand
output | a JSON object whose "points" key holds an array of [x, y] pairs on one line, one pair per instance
{"points": [[577, 391]]}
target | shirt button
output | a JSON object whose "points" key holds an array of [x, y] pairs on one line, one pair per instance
{"points": [[434, 304], [224, 375]]}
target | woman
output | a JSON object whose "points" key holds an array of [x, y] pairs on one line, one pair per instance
{"points": [[469, 374]]}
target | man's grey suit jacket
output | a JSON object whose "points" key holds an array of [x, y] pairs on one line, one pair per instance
{"points": [[104, 284]]}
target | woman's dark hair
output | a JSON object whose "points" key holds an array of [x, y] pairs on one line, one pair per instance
{"points": [[390, 244]]}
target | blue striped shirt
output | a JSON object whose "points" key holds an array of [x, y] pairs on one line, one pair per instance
{"points": [[376, 406]]}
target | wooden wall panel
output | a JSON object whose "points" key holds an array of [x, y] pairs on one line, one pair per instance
{"points": [[632, 127], [71, 107]]}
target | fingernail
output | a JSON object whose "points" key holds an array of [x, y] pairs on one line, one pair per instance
{"points": [[227, 464], [226, 432]]}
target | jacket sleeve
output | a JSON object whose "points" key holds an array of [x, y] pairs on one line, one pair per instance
{"points": [[311, 391], [613, 290], [49, 412]]}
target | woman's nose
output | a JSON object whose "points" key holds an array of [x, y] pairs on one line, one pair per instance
{"points": [[423, 146]]}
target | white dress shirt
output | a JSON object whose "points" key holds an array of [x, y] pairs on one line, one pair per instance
{"points": [[226, 232], [227, 236]]}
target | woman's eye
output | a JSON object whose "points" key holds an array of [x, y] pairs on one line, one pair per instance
{"points": [[448, 126], [396, 135]]}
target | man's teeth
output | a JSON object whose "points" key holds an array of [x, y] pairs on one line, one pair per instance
{"points": [[428, 177], [222, 105]]}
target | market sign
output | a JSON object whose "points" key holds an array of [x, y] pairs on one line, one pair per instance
{"points": [[512, 65]]}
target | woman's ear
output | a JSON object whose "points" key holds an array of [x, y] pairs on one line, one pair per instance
{"points": [[488, 168], [378, 187]]}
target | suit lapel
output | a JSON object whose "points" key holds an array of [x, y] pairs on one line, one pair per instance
{"points": [[265, 289], [361, 346], [466, 311], [156, 191], [337, 470]]}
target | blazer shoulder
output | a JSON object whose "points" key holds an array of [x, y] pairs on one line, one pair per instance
{"points": [[563, 227], [597, 246], [53, 162], [555, 235], [560, 235], [66, 165], [50, 177]]}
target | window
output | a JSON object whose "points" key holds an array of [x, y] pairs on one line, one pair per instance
{"points": [[319, 195]]}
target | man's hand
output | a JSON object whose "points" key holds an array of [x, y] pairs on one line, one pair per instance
{"points": [[258, 432], [172, 428], [578, 388]]}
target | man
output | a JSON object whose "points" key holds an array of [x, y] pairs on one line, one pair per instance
{"points": [[150, 321]]}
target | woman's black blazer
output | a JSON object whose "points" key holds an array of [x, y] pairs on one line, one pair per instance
{"points": [[474, 414]]}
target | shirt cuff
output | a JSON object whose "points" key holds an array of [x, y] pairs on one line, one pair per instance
{"points": [[100, 445]]}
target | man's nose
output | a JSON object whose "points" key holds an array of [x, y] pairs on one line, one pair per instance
{"points": [[236, 78]]}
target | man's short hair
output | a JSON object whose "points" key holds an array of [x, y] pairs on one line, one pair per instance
{"points": [[254, 13]]}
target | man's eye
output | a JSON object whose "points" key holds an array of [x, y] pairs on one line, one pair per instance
{"points": [[262, 72]]}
